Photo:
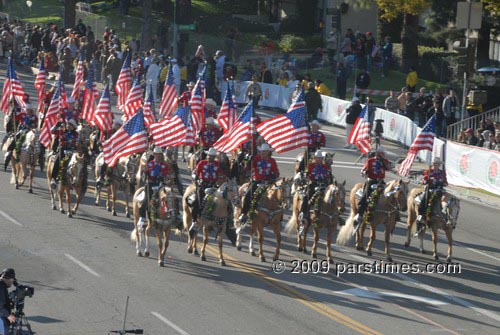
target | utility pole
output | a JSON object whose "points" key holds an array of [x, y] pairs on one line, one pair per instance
{"points": [[174, 38], [464, 92]]}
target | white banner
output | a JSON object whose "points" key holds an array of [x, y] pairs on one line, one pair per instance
{"points": [[274, 96], [473, 167], [334, 110]]}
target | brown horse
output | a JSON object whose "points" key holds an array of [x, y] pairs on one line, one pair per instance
{"points": [[74, 176], [122, 178], [444, 215], [217, 220], [326, 215], [390, 202], [164, 216], [28, 155], [269, 211]]}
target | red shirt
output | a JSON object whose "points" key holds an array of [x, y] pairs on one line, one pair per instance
{"points": [[209, 136], [264, 168], [184, 98], [374, 169], [316, 140], [209, 172], [435, 177], [318, 172], [157, 170]]}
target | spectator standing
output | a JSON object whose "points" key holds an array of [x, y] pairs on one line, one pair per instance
{"points": [[341, 80], [450, 107], [152, 77], [352, 113], [386, 53], [313, 103], [363, 80], [322, 88], [392, 103], [412, 79], [331, 46]]}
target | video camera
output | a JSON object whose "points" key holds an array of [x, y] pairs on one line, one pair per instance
{"points": [[19, 294]]}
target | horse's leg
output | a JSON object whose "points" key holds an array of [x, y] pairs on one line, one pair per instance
{"points": [[304, 239], [434, 242], [127, 208], [32, 175], [68, 201], [421, 238], [372, 239], [409, 225], [159, 243], [97, 193], [114, 191], [205, 242], [60, 196], [195, 244], [109, 191], [314, 250], [449, 235], [260, 236], [360, 233], [166, 236], [238, 241], [277, 233], [219, 241], [388, 229], [253, 230], [329, 236], [146, 238]]}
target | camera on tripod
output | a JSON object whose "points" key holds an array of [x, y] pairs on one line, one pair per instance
{"points": [[379, 129], [19, 294]]}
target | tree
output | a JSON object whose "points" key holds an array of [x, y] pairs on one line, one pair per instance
{"points": [[69, 13], [146, 41]]}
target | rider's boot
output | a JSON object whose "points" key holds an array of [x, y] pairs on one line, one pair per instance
{"points": [[8, 157], [420, 225]]}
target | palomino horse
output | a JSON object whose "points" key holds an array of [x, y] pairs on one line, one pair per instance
{"points": [[74, 176], [324, 214], [268, 212], [216, 220], [121, 178], [390, 201], [299, 160], [29, 152], [444, 215], [163, 217]]}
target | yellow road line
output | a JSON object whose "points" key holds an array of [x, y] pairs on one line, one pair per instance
{"points": [[302, 298]]}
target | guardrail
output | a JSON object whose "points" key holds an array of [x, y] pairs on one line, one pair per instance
{"points": [[453, 130]]}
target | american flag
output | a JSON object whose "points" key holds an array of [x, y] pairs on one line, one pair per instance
{"points": [[79, 81], [172, 131], [12, 88], [122, 86], [423, 141], [169, 97], [41, 76], [149, 110], [51, 118], [129, 139], [360, 133], [134, 99], [289, 131], [64, 96], [103, 117], [239, 133], [90, 97], [227, 114], [197, 101]]}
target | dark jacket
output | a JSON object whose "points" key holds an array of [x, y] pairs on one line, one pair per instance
{"points": [[5, 303], [353, 112], [313, 102]]}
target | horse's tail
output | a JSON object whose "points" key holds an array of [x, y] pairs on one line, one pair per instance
{"points": [[291, 226], [345, 234], [133, 235]]}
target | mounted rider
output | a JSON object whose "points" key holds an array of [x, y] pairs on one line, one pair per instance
{"points": [[157, 172], [316, 139], [264, 170], [374, 171], [117, 123], [205, 176], [64, 145], [71, 113], [319, 176], [209, 134], [434, 181]]}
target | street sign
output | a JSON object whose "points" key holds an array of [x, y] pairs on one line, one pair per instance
{"points": [[186, 27], [469, 15]]}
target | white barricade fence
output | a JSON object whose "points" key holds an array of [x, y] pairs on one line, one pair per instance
{"points": [[274, 96], [334, 110], [473, 167]]}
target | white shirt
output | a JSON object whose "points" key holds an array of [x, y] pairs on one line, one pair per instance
{"points": [[177, 75], [219, 66], [153, 72]]}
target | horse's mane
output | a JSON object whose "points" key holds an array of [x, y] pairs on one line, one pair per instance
{"points": [[331, 189], [390, 186]]}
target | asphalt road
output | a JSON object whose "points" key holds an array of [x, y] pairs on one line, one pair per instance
{"points": [[84, 268]]}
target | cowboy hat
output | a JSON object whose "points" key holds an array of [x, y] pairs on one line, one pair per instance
{"points": [[9, 273], [437, 160], [315, 123], [72, 122], [265, 147], [210, 102], [318, 154], [210, 121], [190, 84], [157, 150], [211, 152]]}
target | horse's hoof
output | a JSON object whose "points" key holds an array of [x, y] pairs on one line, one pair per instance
{"points": [[436, 257], [359, 248], [114, 213], [330, 261], [70, 215], [304, 250], [139, 254], [96, 203], [30, 191], [238, 248], [314, 255], [389, 259], [108, 209], [196, 253], [128, 215], [160, 264], [190, 250], [448, 259], [184, 160], [54, 207], [62, 211], [17, 187], [422, 251], [146, 253], [299, 249], [262, 259], [252, 253], [222, 262], [369, 252], [407, 244], [203, 258]]}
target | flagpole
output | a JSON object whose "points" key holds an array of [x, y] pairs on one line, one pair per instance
{"points": [[12, 97]]}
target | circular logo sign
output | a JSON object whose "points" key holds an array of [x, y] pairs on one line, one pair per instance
{"points": [[393, 124], [339, 110], [492, 171], [266, 94], [464, 165]]}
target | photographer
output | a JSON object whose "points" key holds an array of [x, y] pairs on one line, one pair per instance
{"points": [[7, 279]]}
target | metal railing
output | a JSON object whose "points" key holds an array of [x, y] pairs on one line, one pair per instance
{"points": [[453, 130]]}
